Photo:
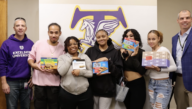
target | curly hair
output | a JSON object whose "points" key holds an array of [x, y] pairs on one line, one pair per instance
{"points": [[66, 42], [136, 35]]}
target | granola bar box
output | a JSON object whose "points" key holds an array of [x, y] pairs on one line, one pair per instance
{"points": [[100, 67], [130, 44], [160, 59], [48, 63], [79, 64]]}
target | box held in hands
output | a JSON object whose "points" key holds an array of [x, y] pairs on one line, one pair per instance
{"points": [[159, 59], [79, 64], [48, 63], [130, 44], [100, 67]]}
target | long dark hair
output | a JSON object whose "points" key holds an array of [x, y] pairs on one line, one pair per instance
{"points": [[136, 35]]}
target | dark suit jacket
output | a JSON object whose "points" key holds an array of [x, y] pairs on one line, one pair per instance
{"points": [[186, 60]]}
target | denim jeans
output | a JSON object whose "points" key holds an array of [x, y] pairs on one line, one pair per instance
{"points": [[18, 93], [160, 92]]}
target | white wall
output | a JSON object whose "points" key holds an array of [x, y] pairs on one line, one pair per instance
{"points": [[167, 14]]}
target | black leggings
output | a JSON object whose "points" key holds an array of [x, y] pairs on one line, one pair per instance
{"points": [[70, 101], [46, 96], [136, 96]]}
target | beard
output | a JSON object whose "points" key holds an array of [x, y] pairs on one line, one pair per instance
{"points": [[53, 41]]}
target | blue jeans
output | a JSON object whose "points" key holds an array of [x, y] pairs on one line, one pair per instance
{"points": [[18, 93], [160, 92]]}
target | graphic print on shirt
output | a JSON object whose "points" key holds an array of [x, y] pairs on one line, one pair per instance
{"points": [[20, 53], [21, 47]]}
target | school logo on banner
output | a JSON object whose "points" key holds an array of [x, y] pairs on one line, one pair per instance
{"points": [[84, 20], [94, 20]]}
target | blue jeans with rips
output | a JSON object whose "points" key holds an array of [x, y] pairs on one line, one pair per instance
{"points": [[18, 93], [160, 92]]}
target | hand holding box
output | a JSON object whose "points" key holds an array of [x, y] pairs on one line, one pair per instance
{"points": [[79, 64], [159, 59], [130, 44], [48, 63], [100, 67]]}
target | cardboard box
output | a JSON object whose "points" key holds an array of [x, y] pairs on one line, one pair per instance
{"points": [[160, 59], [130, 44], [49, 63], [79, 64], [100, 67]]}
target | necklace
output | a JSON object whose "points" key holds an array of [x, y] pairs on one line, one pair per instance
{"points": [[54, 47]]}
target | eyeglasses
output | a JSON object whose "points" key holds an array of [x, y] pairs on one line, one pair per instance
{"points": [[20, 18]]}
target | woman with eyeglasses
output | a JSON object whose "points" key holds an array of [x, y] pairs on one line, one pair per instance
{"points": [[133, 71], [104, 85], [75, 91]]}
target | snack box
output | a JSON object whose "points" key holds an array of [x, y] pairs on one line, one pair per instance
{"points": [[100, 67], [79, 64], [48, 63], [160, 59], [130, 44]]}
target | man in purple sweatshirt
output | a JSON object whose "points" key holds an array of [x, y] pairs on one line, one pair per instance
{"points": [[15, 72]]}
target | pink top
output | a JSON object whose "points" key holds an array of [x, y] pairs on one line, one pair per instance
{"points": [[43, 49]]}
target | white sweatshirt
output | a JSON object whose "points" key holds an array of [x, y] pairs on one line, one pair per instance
{"points": [[164, 73]]}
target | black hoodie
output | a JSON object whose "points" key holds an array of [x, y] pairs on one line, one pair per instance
{"points": [[104, 85]]}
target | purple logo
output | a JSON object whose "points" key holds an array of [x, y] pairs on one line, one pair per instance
{"points": [[98, 22]]}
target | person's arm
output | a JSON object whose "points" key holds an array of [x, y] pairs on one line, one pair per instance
{"points": [[87, 72], [3, 67], [172, 75], [64, 63], [32, 58], [5, 86], [115, 66], [136, 63], [35, 65], [172, 66]]}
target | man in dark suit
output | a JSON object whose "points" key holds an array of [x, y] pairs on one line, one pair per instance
{"points": [[182, 54]]}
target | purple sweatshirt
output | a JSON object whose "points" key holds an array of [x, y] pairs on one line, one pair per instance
{"points": [[13, 58]]}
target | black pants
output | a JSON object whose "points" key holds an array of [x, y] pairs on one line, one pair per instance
{"points": [[70, 101], [46, 96], [136, 96]]}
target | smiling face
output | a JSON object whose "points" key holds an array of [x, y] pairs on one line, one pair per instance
{"points": [[54, 33], [72, 47], [184, 20], [130, 35], [153, 40], [20, 27], [102, 38]]}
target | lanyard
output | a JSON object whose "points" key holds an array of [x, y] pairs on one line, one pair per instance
{"points": [[182, 46]]}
